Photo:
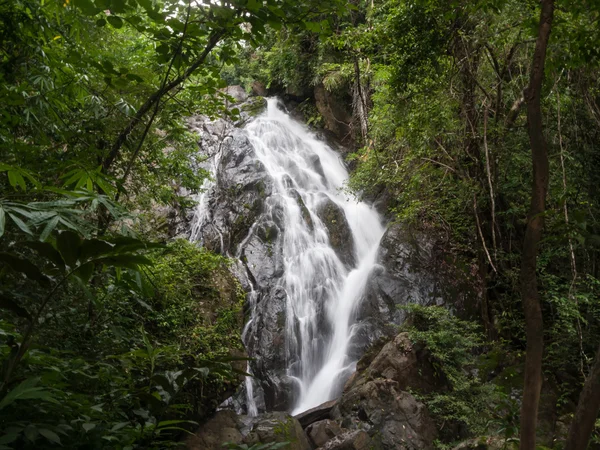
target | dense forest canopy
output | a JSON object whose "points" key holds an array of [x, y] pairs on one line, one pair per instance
{"points": [[477, 122]]}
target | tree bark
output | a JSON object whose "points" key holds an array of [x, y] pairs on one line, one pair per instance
{"points": [[533, 234], [587, 410]]}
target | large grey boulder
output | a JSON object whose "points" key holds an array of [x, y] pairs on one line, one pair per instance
{"points": [[227, 427], [278, 427], [222, 428], [395, 419], [376, 400], [403, 362], [322, 431], [406, 273]]}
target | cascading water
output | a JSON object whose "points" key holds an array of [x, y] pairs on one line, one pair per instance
{"points": [[322, 287]]}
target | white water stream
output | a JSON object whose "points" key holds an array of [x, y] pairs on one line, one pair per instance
{"points": [[322, 292]]}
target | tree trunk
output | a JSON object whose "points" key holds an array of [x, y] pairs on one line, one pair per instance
{"points": [[587, 410], [529, 290], [156, 97]]}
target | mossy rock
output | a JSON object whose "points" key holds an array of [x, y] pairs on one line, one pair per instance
{"points": [[254, 106]]}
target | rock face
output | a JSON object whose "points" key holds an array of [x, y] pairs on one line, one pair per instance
{"points": [[404, 363], [407, 274], [340, 236], [335, 113], [243, 215], [350, 440], [322, 431], [228, 427], [375, 411], [375, 399], [394, 418]]}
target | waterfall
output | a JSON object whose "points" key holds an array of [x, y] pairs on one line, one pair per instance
{"points": [[324, 272]]}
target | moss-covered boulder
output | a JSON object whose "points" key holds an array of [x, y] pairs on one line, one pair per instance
{"points": [[268, 428], [254, 106]]}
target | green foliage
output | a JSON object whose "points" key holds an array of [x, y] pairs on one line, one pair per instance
{"points": [[470, 403], [125, 377]]}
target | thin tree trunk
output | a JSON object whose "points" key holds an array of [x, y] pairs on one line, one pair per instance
{"points": [[587, 410], [360, 103], [533, 234], [213, 40]]}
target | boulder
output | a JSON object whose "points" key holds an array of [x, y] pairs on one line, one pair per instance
{"points": [[393, 418], [322, 431], [351, 440], [340, 235], [223, 427], [403, 362], [259, 88], [406, 273], [226, 426], [254, 106], [278, 427], [238, 93], [335, 112], [315, 414]]}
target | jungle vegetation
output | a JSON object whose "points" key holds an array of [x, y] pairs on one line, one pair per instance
{"points": [[475, 121]]}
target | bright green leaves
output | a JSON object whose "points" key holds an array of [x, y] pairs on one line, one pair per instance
{"points": [[79, 178]]}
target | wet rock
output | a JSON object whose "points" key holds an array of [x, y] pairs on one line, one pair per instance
{"points": [[254, 106], [238, 93], [405, 275], [226, 426], [403, 362], [267, 347], [322, 431], [259, 88], [223, 427], [340, 235], [316, 164], [278, 427], [303, 209], [351, 440], [393, 418], [317, 413]]}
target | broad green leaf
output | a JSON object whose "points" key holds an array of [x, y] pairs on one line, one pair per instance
{"points": [[22, 225], [9, 438], [127, 261], [25, 267], [69, 243], [49, 228], [94, 248], [50, 435], [48, 251], [88, 426], [27, 390], [85, 272]]}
